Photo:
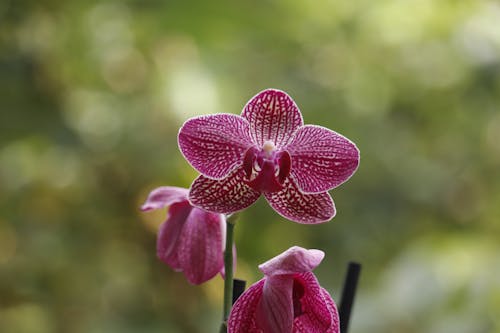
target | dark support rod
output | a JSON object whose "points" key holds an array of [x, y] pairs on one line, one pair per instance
{"points": [[348, 294], [238, 288]]}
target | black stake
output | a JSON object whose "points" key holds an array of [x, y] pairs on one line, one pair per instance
{"points": [[238, 288], [348, 293]]}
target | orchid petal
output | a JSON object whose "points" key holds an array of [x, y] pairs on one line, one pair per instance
{"points": [[300, 207], [164, 196], [275, 310], [288, 302], [242, 316], [215, 144], [224, 196], [273, 116], [316, 316], [321, 159], [294, 260], [169, 234], [335, 325], [200, 246]]}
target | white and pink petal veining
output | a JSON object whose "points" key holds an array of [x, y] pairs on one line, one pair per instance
{"points": [[273, 116], [267, 150], [243, 313], [225, 196], [300, 207], [215, 144], [316, 314], [335, 326], [322, 159]]}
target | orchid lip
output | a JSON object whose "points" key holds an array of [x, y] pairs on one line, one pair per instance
{"points": [[266, 170], [297, 294]]}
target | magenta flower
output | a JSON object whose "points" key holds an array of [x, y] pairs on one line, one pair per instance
{"points": [[267, 150], [191, 240], [288, 299]]}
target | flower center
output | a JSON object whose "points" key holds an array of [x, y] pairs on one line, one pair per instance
{"points": [[268, 148], [266, 169]]}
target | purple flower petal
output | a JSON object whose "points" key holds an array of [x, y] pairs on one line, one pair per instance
{"points": [[294, 260], [170, 232], [273, 116], [200, 246], [275, 309], [321, 159], [299, 207], [316, 315], [335, 326], [242, 318], [214, 145], [225, 196], [191, 239], [164, 196]]}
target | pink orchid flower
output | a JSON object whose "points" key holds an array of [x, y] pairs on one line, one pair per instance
{"points": [[288, 299], [191, 240], [267, 150]]}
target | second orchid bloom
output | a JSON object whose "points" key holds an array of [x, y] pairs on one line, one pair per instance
{"points": [[267, 150], [191, 240], [288, 299]]}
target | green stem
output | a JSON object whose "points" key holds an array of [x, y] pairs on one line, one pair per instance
{"points": [[228, 268]]}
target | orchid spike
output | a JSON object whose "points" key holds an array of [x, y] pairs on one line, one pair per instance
{"points": [[267, 150], [288, 299], [191, 240]]}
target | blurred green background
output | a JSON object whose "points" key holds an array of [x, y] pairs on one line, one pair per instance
{"points": [[92, 94]]}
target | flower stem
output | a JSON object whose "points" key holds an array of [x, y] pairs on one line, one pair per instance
{"points": [[228, 269]]}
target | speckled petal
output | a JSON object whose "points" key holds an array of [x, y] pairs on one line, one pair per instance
{"points": [[294, 260], [164, 196], [200, 246], [317, 316], [273, 116], [225, 196], [299, 207], [335, 325], [321, 159], [242, 318], [215, 144]]}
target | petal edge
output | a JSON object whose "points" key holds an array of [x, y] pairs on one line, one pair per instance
{"points": [[321, 158], [295, 260], [164, 196], [300, 207], [242, 316], [224, 196]]}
